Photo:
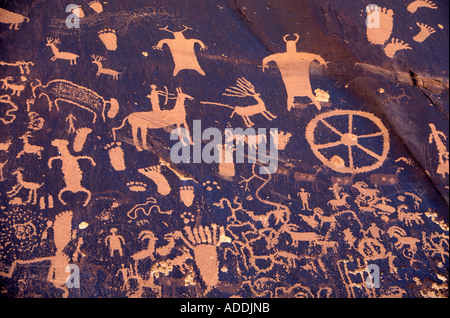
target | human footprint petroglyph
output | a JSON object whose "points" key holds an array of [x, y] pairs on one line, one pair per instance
{"points": [[381, 32], [108, 38]]}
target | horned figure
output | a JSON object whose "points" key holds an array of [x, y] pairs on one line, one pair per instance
{"points": [[61, 55], [16, 89], [183, 51], [294, 68]]}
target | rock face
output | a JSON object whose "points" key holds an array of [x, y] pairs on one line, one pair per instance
{"points": [[249, 148]]}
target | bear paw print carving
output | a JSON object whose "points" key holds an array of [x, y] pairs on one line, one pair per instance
{"points": [[154, 174]]}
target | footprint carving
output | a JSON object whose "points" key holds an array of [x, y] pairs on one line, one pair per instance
{"points": [[96, 6], [394, 46], [154, 174], [109, 38], [425, 32], [379, 34], [413, 6]]}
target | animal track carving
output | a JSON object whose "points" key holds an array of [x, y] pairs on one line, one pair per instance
{"points": [[413, 6], [382, 32], [154, 174], [425, 32], [394, 46]]}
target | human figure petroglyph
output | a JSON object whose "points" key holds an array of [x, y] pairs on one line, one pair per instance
{"points": [[114, 242], [413, 6], [98, 60], [141, 122], [304, 197], [16, 89], [12, 18], [425, 32], [438, 138], [29, 148], [60, 90], [340, 200], [61, 55], [71, 119], [154, 97], [71, 170], [379, 34], [245, 89], [32, 187], [294, 68], [183, 51]]}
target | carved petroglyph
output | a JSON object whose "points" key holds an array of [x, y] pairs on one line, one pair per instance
{"points": [[60, 90], [413, 6], [242, 89], [183, 51], [61, 55], [294, 69], [425, 32], [348, 138], [438, 138], [71, 170], [141, 122], [12, 18], [98, 60], [380, 34]]}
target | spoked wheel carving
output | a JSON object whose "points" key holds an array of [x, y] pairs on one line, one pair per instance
{"points": [[350, 139]]}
